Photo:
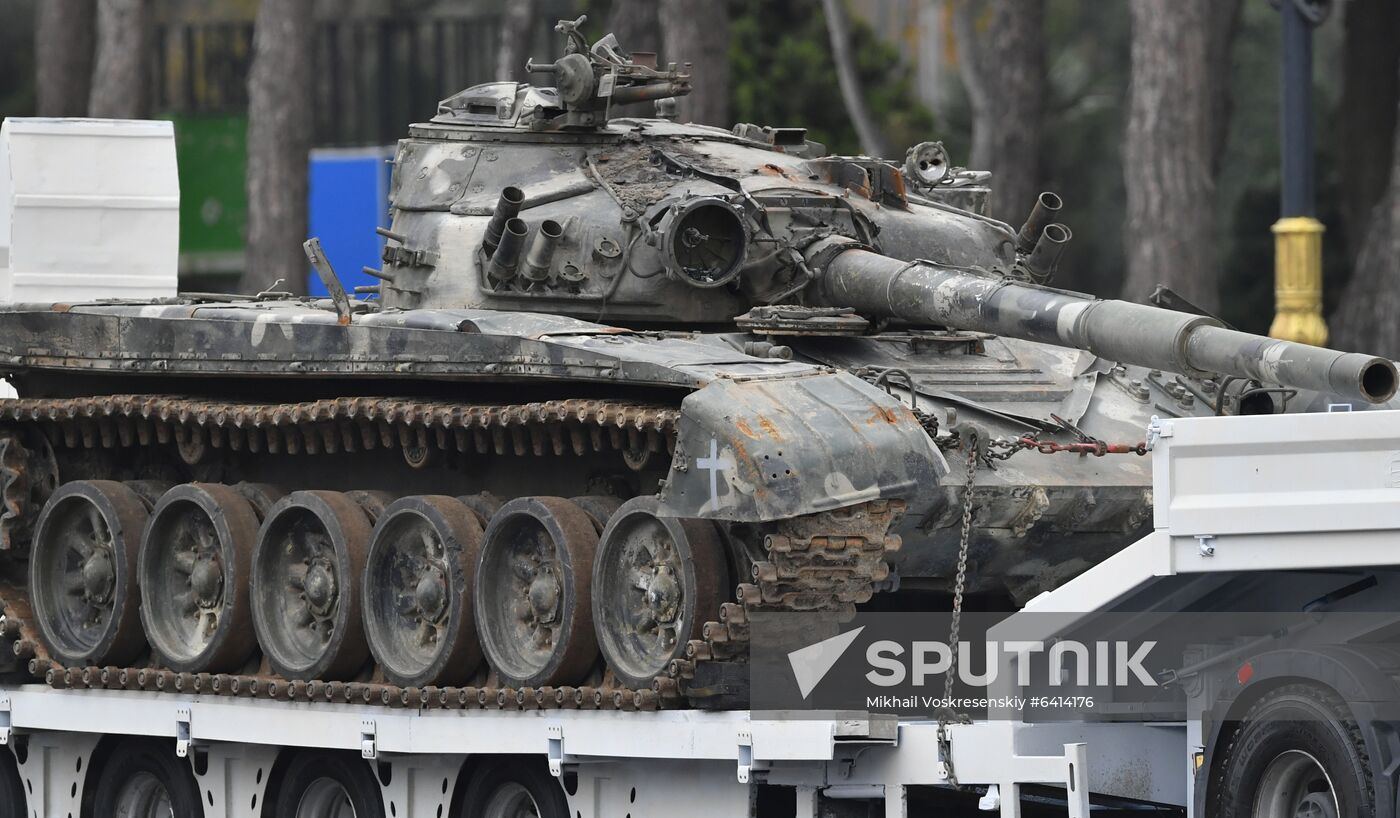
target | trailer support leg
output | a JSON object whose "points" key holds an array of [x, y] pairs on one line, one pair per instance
{"points": [[896, 801], [53, 770], [1077, 780], [1010, 800], [420, 784], [234, 781], [1073, 772]]}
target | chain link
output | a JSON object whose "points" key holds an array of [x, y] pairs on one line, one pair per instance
{"points": [[947, 713]]}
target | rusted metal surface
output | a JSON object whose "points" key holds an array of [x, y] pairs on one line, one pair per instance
{"points": [[28, 475], [826, 562], [347, 424], [536, 564], [767, 451]]}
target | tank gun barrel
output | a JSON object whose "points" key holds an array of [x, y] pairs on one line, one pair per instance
{"points": [[923, 293]]}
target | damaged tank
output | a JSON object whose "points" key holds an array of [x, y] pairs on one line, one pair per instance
{"points": [[623, 382]]}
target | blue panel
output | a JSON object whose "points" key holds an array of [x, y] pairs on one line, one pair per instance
{"points": [[349, 199]]}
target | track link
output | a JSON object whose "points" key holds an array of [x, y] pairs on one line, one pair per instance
{"points": [[347, 425], [826, 562]]}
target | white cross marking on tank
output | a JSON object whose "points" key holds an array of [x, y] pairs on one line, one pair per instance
{"points": [[712, 464]]}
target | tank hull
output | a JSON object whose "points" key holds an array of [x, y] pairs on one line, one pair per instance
{"points": [[453, 405]]}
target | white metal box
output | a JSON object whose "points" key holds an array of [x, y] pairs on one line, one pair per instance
{"points": [[89, 208], [1278, 474]]}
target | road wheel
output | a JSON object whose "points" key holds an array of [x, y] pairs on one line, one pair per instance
{"points": [[513, 788], [655, 580], [82, 573], [306, 586], [483, 505], [418, 610], [328, 785], [373, 502], [263, 496], [193, 573], [599, 509], [1297, 753], [533, 608], [150, 491], [144, 779]]}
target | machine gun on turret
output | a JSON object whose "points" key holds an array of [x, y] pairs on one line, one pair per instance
{"points": [[591, 80]]}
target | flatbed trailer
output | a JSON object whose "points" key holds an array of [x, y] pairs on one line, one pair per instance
{"points": [[1256, 510]]}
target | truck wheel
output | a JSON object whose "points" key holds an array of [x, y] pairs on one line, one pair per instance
{"points": [[513, 788], [12, 798], [144, 779], [328, 785], [1297, 753]]}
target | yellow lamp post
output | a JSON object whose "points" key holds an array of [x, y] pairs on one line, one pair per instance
{"points": [[1298, 281]]}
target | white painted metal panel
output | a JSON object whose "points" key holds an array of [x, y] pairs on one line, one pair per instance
{"points": [[679, 734], [1279, 474], [5, 206], [92, 209]]}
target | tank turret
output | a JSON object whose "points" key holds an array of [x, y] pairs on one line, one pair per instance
{"points": [[518, 197]]}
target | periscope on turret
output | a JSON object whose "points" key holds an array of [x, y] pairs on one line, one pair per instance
{"points": [[615, 367]]}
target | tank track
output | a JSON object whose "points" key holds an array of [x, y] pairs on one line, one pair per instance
{"points": [[347, 424], [827, 562]]}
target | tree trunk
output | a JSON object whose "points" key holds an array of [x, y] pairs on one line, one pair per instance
{"points": [[697, 32], [1224, 22], [848, 79], [279, 141], [1002, 61], [121, 80], [1170, 228], [517, 26], [637, 25], [64, 38], [1366, 319], [1366, 118]]}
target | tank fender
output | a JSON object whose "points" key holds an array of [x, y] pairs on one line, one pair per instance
{"points": [[1367, 680], [752, 450]]}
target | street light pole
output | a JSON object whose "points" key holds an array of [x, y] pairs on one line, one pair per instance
{"points": [[1298, 233]]}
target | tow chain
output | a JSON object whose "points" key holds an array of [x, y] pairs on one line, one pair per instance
{"points": [[947, 713], [1097, 448], [996, 448], [968, 437]]}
